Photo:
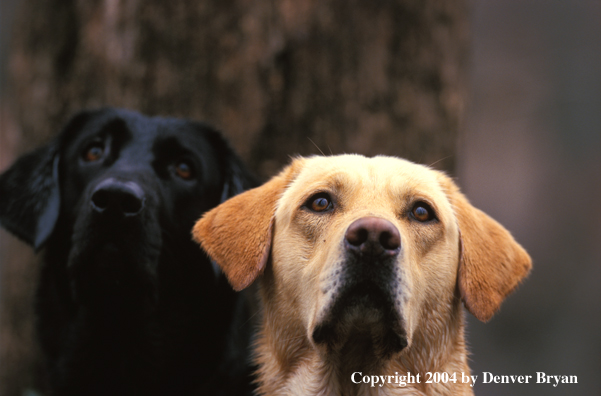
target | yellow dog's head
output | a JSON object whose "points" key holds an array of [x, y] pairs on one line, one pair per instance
{"points": [[363, 253]]}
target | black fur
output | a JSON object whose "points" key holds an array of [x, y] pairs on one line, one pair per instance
{"points": [[127, 303]]}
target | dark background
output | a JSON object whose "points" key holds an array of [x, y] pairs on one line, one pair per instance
{"points": [[530, 158], [529, 155]]}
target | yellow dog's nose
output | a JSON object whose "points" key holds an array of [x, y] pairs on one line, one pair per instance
{"points": [[372, 236]]}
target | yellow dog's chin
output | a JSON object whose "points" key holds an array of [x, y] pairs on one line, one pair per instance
{"points": [[363, 314]]}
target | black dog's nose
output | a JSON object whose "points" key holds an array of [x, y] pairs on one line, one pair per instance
{"points": [[112, 195], [373, 236]]}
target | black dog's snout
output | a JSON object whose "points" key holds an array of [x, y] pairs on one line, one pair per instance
{"points": [[125, 198], [373, 236]]}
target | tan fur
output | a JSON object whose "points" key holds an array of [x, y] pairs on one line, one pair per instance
{"points": [[465, 255], [254, 213], [492, 263]]}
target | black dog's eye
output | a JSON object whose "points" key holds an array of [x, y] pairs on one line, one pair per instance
{"points": [[319, 203], [183, 170], [422, 212], [93, 152]]}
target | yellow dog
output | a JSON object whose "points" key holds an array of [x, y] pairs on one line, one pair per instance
{"points": [[364, 264]]}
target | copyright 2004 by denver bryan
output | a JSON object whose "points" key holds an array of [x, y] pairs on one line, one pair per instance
{"points": [[402, 380]]}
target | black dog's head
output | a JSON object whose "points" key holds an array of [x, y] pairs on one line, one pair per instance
{"points": [[116, 192], [126, 301]]}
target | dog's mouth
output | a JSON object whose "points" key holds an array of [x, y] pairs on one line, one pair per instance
{"points": [[113, 260], [362, 324]]}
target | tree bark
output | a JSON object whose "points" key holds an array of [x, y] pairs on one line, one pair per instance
{"points": [[280, 78]]}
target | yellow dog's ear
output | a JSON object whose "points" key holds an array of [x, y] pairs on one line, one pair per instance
{"points": [[491, 262], [237, 233]]}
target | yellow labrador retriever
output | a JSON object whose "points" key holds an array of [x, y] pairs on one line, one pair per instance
{"points": [[364, 264]]}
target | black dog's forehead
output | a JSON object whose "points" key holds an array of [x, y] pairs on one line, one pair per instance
{"points": [[147, 136], [184, 135], [137, 127]]}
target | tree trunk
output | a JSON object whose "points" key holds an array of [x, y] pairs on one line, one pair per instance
{"points": [[280, 78]]}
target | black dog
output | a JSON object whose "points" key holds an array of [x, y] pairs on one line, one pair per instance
{"points": [[127, 303]]}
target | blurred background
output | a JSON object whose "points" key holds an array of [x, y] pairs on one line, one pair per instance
{"points": [[506, 96], [530, 157]]}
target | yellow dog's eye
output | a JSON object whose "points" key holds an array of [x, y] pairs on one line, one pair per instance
{"points": [[319, 203], [93, 152], [422, 212]]}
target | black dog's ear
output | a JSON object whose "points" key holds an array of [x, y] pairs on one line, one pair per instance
{"points": [[30, 196], [30, 192], [237, 178]]}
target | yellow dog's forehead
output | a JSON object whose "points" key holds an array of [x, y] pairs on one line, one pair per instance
{"points": [[376, 177]]}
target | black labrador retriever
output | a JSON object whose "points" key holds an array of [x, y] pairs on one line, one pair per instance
{"points": [[127, 304]]}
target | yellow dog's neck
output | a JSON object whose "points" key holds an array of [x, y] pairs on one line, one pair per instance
{"points": [[290, 364]]}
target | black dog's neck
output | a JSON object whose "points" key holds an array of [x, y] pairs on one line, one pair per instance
{"points": [[128, 329]]}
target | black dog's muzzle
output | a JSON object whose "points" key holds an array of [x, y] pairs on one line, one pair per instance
{"points": [[119, 197]]}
